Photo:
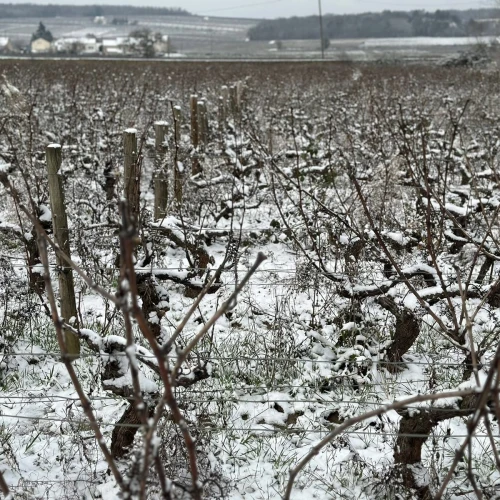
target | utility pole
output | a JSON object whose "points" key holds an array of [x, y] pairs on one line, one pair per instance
{"points": [[321, 30]]}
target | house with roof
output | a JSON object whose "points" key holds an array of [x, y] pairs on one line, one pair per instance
{"points": [[71, 45], [112, 47], [40, 46], [120, 46], [41, 40]]}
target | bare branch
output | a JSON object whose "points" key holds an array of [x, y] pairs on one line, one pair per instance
{"points": [[181, 356], [87, 408], [360, 418]]}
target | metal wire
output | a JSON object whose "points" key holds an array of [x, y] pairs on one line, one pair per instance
{"points": [[367, 361], [227, 399], [246, 358], [277, 429]]}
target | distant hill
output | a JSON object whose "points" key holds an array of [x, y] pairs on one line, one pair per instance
{"points": [[446, 23], [45, 11]]}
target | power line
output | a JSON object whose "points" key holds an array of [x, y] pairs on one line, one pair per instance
{"points": [[322, 40]]}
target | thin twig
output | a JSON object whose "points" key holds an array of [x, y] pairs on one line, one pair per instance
{"points": [[85, 402], [127, 234], [182, 355]]}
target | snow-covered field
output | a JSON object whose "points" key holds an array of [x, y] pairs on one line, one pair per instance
{"points": [[373, 193], [220, 28], [426, 41], [202, 36]]}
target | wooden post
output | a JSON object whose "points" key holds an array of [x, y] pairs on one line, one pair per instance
{"points": [[202, 122], [222, 115], [160, 175], [225, 97], [177, 124], [239, 95], [223, 100], [193, 103], [178, 171], [132, 188], [195, 134], [205, 122], [178, 168], [61, 235], [233, 100]]}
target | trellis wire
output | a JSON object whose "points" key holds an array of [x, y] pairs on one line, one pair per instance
{"points": [[278, 428], [249, 358]]}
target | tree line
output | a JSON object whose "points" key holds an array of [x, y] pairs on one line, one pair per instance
{"points": [[381, 25], [44, 11]]}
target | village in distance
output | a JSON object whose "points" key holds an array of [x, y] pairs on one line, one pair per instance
{"points": [[141, 42]]}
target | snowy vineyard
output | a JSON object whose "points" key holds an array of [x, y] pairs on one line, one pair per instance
{"points": [[249, 281]]}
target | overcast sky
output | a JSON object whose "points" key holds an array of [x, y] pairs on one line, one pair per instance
{"points": [[283, 8]]}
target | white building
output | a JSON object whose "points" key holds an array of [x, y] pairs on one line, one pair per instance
{"points": [[116, 46], [120, 46], [40, 46], [112, 46], [84, 45]]}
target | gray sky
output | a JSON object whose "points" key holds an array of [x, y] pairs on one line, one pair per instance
{"points": [[284, 8]]}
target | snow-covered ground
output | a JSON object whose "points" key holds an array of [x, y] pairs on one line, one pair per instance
{"points": [[426, 41], [309, 342]]}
